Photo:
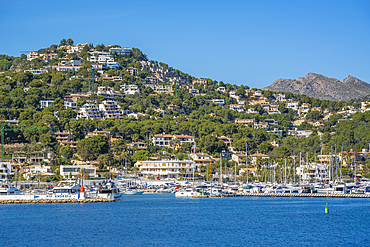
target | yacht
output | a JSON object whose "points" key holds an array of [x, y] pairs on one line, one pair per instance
{"points": [[65, 189], [188, 192], [340, 188], [133, 191], [8, 189], [108, 190]]}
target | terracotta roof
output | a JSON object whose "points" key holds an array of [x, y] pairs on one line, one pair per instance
{"points": [[258, 155]]}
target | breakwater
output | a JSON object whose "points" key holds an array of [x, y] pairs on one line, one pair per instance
{"points": [[70, 200]]}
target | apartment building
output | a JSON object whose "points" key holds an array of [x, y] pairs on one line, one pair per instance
{"points": [[166, 168], [110, 109], [89, 111], [133, 71], [129, 89]]}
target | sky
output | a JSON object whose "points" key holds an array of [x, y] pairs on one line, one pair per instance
{"points": [[245, 42]]}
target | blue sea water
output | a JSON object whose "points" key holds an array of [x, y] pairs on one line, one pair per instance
{"points": [[163, 220]]}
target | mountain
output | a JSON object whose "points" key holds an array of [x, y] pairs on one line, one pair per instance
{"points": [[321, 87]]}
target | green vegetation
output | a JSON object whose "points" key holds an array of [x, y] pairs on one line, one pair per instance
{"points": [[205, 120]]}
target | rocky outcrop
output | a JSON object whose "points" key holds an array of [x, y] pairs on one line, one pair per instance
{"points": [[321, 87]]}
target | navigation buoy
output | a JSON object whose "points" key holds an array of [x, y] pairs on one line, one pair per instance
{"points": [[326, 209]]}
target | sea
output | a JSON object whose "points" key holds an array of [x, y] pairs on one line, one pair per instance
{"points": [[163, 220]]}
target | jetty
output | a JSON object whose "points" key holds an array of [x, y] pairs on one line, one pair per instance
{"points": [[69, 200]]}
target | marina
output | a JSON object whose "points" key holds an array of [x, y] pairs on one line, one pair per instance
{"points": [[162, 219]]}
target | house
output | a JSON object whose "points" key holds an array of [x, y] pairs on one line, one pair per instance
{"points": [[276, 131], [49, 56], [110, 109], [133, 71], [219, 102], [5, 172], [162, 140], [312, 172], [271, 122], [174, 108], [36, 71], [221, 90], [255, 156], [96, 132], [252, 111], [280, 97], [73, 62], [69, 103], [273, 109], [33, 55], [236, 107], [260, 126], [63, 136], [112, 78], [202, 159], [89, 111], [137, 145], [365, 106], [11, 122], [74, 170], [35, 169], [276, 144], [245, 122], [152, 80], [200, 82], [234, 95], [120, 50], [129, 89], [166, 168], [239, 158], [292, 105], [46, 103], [108, 92], [163, 89], [74, 49], [305, 107], [226, 140], [252, 171], [300, 133], [112, 64], [66, 68], [184, 138]]}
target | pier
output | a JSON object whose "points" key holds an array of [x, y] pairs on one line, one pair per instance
{"points": [[70, 200]]}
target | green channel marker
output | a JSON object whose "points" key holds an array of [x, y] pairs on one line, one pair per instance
{"points": [[326, 209]]}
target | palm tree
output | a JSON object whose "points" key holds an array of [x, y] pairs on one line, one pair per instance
{"points": [[82, 174], [182, 172]]}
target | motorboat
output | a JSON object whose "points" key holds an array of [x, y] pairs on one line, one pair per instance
{"points": [[282, 189], [188, 192], [8, 189], [133, 191], [340, 188], [108, 190]]}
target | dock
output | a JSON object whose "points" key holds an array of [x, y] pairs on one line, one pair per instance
{"points": [[69, 200], [291, 195]]}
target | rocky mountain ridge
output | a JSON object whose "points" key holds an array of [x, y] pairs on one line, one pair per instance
{"points": [[322, 87]]}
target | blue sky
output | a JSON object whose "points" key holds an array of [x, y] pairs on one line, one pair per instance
{"points": [[239, 42]]}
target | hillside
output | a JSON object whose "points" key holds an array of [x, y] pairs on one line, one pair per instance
{"points": [[321, 87]]}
